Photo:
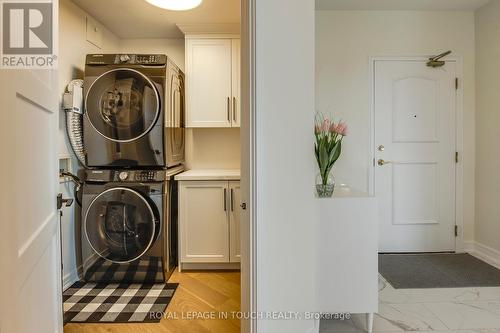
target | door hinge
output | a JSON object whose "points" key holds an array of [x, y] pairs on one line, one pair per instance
{"points": [[456, 83], [60, 201], [456, 231], [456, 157]]}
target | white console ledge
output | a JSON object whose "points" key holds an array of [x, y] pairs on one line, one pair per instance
{"points": [[209, 174], [344, 191]]}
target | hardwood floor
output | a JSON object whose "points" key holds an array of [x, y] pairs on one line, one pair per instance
{"points": [[212, 292]]}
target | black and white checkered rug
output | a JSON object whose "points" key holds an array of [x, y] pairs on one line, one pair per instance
{"points": [[145, 270], [116, 303]]}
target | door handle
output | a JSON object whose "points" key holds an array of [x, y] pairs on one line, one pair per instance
{"points": [[229, 109], [172, 109], [234, 108], [232, 203], [225, 200], [381, 162]]}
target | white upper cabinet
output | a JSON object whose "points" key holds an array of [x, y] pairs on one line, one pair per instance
{"points": [[236, 78], [212, 82]]}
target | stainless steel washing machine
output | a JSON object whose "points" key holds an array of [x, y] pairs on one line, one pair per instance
{"points": [[134, 111], [129, 225]]}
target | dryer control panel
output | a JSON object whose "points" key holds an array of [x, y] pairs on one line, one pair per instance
{"points": [[126, 59], [131, 176]]}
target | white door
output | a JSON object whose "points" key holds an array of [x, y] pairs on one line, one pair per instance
{"points": [[30, 288], [236, 83], [204, 227], [234, 221], [208, 82], [414, 163]]}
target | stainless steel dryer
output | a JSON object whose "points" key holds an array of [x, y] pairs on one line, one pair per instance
{"points": [[134, 111], [129, 225]]}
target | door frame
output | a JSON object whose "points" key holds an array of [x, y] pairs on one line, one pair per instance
{"points": [[248, 135], [459, 135]]}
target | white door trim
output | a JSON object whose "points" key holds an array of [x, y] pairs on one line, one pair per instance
{"points": [[248, 166], [459, 135]]}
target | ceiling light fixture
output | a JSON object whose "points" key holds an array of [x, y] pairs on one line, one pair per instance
{"points": [[175, 4]]}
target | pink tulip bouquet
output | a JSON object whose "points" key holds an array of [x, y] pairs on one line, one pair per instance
{"points": [[327, 149]]}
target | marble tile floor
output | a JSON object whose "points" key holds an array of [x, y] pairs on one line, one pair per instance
{"points": [[454, 310]]}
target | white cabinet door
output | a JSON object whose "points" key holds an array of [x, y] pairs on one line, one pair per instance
{"points": [[234, 222], [236, 108], [208, 82], [203, 217]]}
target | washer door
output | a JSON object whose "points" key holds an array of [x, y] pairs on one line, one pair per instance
{"points": [[120, 225], [122, 105]]}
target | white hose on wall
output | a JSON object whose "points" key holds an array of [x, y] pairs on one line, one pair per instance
{"points": [[73, 105]]}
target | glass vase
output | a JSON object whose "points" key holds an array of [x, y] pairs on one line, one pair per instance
{"points": [[325, 187]]}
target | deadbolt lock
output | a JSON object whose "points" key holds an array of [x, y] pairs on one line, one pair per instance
{"points": [[381, 148]]}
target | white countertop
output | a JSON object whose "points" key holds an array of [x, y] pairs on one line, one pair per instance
{"points": [[206, 174]]}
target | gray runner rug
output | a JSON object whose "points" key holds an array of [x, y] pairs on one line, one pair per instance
{"points": [[407, 271]]}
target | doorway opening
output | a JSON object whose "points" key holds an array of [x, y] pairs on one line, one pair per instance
{"points": [[215, 244]]}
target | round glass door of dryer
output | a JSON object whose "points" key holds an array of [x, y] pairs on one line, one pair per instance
{"points": [[122, 105], [121, 225]]}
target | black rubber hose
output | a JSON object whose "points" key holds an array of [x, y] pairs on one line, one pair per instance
{"points": [[76, 191], [78, 185]]}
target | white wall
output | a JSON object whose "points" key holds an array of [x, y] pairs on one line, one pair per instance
{"points": [[285, 170], [213, 148], [72, 50], [488, 126], [205, 148], [344, 42]]}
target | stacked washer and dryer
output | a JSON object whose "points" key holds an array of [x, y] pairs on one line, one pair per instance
{"points": [[133, 137]]}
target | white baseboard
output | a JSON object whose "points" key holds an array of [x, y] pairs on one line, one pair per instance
{"points": [[469, 246], [74, 275], [70, 278], [315, 328], [483, 252]]}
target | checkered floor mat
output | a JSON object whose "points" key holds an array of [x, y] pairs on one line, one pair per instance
{"points": [[145, 270], [116, 303]]}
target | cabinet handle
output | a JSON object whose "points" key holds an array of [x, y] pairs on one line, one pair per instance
{"points": [[225, 200], [232, 203], [234, 108], [229, 109]]}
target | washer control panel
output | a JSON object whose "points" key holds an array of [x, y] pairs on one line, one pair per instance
{"points": [[144, 176], [123, 175]]}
